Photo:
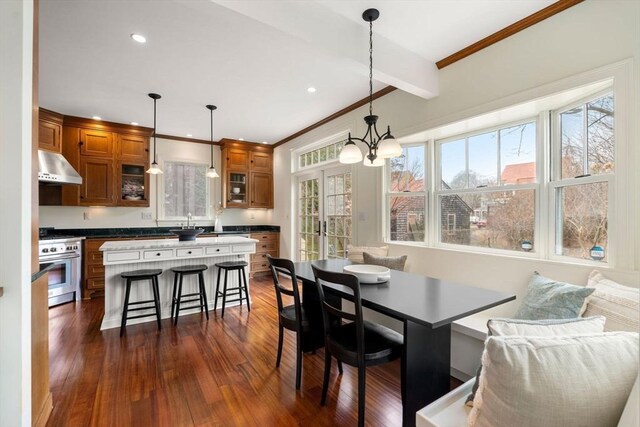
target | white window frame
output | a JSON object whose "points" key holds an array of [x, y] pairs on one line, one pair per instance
{"points": [[623, 200], [161, 187], [556, 182], [325, 142]]}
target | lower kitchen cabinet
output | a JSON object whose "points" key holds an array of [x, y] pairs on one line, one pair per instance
{"points": [[92, 268], [268, 244]]}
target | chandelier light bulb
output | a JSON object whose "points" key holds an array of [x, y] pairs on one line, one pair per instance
{"points": [[350, 153]]}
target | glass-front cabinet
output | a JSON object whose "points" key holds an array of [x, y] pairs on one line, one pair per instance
{"points": [[237, 189], [133, 184]]}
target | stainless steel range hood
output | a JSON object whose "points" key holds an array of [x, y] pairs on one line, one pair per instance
{"points": [[53, 168]]}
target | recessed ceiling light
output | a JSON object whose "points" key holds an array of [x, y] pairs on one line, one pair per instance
{"points": [[134, 123], [189, 135], [311, 89], [139, 38], [240, 139], [96, 118], [264, 142]]}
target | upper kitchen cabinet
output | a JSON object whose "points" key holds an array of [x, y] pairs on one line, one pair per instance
{"points": [[247, 174], [50, 131], [111, 158]]}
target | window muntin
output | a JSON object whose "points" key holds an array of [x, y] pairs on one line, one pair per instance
{"points": [[493, 159], [320, 155], [186, 190]]}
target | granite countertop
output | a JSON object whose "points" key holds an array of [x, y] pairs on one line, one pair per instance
{"points": [[136, 232], [156, 244]]}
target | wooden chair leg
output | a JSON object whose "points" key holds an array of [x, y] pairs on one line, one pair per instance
{"points": [[123, 323], [298, 358], [340, 371], [203, 294], [280, 339], [361, 392], [327, 373]]}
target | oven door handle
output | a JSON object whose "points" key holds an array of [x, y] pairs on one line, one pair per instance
{"points": [[42, 261]]}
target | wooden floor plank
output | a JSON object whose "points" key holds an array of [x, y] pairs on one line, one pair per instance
{"points": [[219, 372]]}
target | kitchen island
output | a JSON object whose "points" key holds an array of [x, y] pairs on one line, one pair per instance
{"points": [[129, 255]]}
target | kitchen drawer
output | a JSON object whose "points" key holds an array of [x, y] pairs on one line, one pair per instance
{"points": [[259, 266], [187, 252], [158, 254], [262, 256], [95, 271], [265, 237], [95, 283], [242, 248], [93, 257], [218, 250], [267, 246], [122, 256]]}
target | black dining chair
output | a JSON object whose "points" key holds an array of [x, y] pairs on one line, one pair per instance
{"points": [[291, 317], [357, 342]]}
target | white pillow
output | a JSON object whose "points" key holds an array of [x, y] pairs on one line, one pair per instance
{"points": [[618, 303], [564, 381], [543, 328], [355, 253]]}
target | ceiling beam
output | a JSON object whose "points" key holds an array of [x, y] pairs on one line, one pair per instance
{"points": [[512, 29], [344, 39]]}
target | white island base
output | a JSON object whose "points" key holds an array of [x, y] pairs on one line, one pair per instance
{"points": [[129, 255]]}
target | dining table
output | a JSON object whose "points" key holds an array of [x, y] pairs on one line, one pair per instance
{"points": [[426, 307]]}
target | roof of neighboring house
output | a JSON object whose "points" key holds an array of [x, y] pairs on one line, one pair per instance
{"points": [[519, 173]]}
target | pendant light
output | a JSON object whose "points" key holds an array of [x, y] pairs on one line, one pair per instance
{"points": [[154, 169], [211, 173], [380, 146]]}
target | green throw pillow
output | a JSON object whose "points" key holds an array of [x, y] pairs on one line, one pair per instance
{"points": [[548, 299]]}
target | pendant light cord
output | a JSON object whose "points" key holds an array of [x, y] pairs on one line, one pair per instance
{"points": [[154, 130], [211, 138], [370, 68]]}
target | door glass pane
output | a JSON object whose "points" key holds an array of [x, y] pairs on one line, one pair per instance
{"points": [[407, 219], [308, 219], [338, 208], [453, 164], [582, 221], [483, 159], [518, 154]]}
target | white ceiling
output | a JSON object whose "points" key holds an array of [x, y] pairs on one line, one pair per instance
{"points": [[254, 60]]}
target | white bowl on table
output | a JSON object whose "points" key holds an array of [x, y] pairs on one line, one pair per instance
{"points": [[368, 273]]}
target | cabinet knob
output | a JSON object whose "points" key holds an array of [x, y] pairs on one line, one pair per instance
{"points": [[158, 254], [218, 250], [189, 252]]}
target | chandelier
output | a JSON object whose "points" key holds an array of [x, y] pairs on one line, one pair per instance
{"points": [[380, 146]]}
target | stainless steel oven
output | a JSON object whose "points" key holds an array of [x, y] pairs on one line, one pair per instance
{"points": [[64, 276]]}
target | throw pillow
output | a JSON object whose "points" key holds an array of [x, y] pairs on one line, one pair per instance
{"points": [[392, 262], [620, 304], [548, 299], [355, 253], [541, 328], [569, 381]]}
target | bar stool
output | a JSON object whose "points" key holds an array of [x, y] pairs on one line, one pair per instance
{"points": [[178, 300], [242, 284], [135, 276]]}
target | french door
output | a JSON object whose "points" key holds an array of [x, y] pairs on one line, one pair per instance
{"points": [[325, 217]]}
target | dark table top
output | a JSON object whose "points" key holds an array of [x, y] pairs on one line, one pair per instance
{"points": [[408, 296]]}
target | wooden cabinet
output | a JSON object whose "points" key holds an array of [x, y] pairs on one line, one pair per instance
{"points": [[97, 181], [247, 171], [268, 244], [50, 131], [112, 160], [93, 270]]}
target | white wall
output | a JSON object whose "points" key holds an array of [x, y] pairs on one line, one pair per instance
{"points": [[588, 36], [16, 51], [108, 217]]}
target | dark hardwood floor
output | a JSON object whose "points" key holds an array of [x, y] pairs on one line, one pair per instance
{"points": [[219, 372]]}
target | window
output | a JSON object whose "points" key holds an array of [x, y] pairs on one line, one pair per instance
{"points": [[407, 195], [487, 189], [320, 155], [186, 190], [584, 164]]}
